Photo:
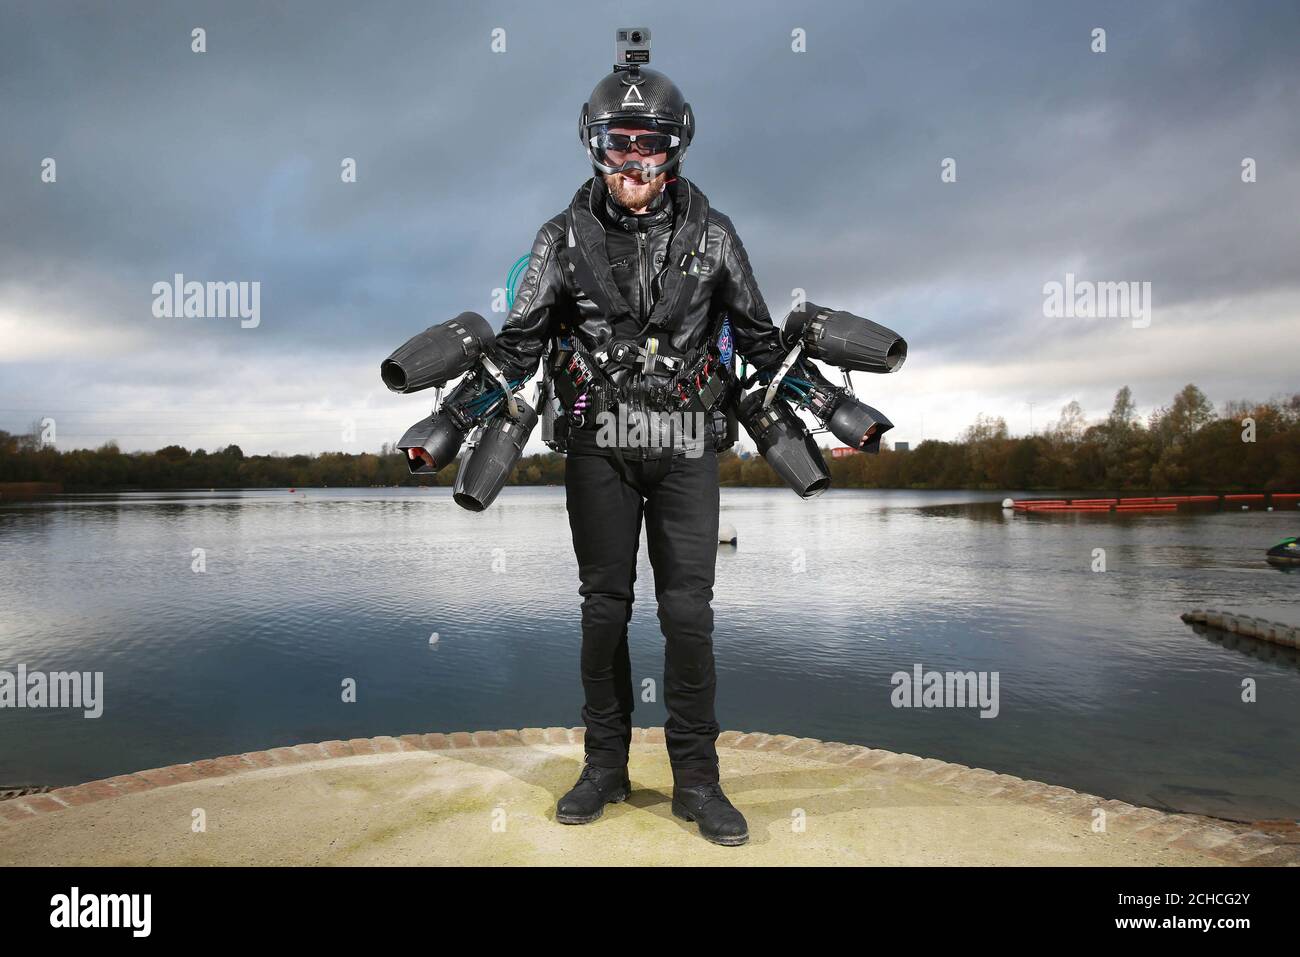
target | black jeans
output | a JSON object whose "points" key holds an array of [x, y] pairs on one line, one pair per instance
{"points": [[680, 507]]}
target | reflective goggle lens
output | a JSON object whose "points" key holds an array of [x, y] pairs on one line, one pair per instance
{"points": [[643, 144]]}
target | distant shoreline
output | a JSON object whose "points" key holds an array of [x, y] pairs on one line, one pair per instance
{"points": [[33, 491]]}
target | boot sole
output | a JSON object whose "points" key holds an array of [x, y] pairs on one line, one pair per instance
{"points": [[736, 841], [576, 819]]}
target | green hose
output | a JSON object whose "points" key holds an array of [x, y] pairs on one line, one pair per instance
{"points": [[512, 279]]}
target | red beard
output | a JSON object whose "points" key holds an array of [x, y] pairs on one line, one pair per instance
{"points": [[634, 197]]}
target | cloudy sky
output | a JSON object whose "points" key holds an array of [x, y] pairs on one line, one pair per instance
{"points": [[1122, 166]]}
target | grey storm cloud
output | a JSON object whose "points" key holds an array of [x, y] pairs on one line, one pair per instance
{"points": [[225, 166]]}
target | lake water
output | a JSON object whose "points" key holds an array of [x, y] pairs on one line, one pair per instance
{"points": [[1101, 686]]}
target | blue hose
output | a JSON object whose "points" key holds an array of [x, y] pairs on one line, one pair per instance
{"points": [[512, 279]]}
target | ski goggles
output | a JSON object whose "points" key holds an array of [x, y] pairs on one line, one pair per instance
{"points": [[642, 144]]}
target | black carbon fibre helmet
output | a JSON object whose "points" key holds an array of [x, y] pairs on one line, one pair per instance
{"points": [[639, 98]]}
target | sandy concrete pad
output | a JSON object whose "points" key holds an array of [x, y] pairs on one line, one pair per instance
{"points": [[495, 805]]}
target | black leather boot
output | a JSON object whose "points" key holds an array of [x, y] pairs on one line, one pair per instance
{"points": [[719, 820], [596, 787]]}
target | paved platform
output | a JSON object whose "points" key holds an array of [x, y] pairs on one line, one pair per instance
{"points": [[488, 797]]}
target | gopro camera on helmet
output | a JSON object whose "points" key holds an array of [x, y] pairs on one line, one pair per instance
{"points": [[631, 47]]}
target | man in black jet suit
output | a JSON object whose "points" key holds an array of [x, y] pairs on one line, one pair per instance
{"points": [[624, 296]]}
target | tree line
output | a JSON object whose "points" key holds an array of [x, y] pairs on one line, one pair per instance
{"points": [[1184, 446]]}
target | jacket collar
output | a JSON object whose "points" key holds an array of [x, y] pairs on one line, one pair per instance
{"points": [[589, 258]]}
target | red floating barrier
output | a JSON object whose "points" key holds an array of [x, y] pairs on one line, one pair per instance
{"points": [[1091, 505], [1162, 503], [1068, 508]]}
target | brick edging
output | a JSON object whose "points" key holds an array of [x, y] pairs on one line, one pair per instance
{"points": [[1224, 840]]}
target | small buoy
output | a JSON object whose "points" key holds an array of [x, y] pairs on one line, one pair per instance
{"points": [[292, 490], [1008, 503], [726, 535], [433, 639]]}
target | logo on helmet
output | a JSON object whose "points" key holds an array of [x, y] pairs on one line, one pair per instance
{"points": [[633, 96]]}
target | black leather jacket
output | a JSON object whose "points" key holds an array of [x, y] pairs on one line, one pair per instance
{"points": [[549, 297]]}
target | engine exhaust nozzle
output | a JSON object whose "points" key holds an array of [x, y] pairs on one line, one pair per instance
{"points": [[858, 425], [784, 440], [844, 340], [487, 466], [436, 435], [437, 355]]}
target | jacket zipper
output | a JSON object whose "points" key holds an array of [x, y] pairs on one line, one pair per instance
{"points": [[645, 286]]}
